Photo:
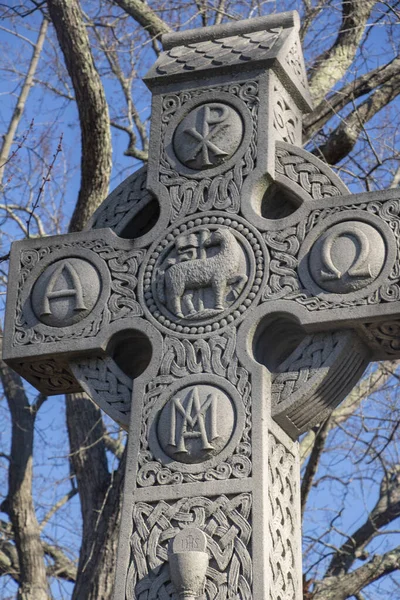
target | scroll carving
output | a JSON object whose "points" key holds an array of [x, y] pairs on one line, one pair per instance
{"points": [[50, 376], [384, 336], [286, 121]]}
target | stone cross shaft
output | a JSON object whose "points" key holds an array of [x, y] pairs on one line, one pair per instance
{"points": [[223, 300]]}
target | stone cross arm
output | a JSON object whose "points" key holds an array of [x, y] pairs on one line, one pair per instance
{"points": [[224, 299], [328, 270]]}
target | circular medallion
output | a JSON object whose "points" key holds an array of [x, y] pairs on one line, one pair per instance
{"points": [[196, 424], [66, 292], [350, 253], [208, 135], [347, 257], [204, 274]]}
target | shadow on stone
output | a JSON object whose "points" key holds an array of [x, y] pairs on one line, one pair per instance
{"points": [[142, 222], [278, 202], [276, 337], [132, 351]]}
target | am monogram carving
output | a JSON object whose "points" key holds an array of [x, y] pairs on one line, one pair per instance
{"points": [[223, 300], [190, 427]]}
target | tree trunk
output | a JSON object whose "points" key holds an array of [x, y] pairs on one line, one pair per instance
{"points": [[19, 504]]}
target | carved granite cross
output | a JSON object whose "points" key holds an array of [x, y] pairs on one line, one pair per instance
{"points": [[221, 302]]}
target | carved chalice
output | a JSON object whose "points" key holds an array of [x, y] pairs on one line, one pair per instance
{"points": [[188, 563]]}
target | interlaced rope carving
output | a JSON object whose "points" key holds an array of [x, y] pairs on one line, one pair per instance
{"points": [[306, 174], [283, 524], [107, 385], [313, 353], [123, 203], [227, 525]]}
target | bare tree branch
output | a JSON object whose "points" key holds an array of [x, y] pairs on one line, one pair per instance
{"points": [[312, 465], [145, 16], [23, 96], [332, 64], [334, 588], [33, 583], [361, 86], [343, 139], [386, 510], [92, 107]]}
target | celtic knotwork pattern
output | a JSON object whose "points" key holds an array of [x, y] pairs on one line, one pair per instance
{"points": [[294, 59], [123, 204], [181, 358], [285, 245], [384, 335], [284, 528], [226, 521], [286, 122], [300, 367], [305, 174], [221, 192], [122, 266], [108, 385], [50, 376]]}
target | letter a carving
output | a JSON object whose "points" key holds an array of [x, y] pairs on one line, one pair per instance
{"points": [[75, 290]]}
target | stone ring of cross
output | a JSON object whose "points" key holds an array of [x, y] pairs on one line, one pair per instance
{"points": [[223, 300]]}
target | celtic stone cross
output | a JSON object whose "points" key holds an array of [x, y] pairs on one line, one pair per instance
{"points": [[222, 301]]}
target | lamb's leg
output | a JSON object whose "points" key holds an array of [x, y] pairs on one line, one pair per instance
{"points": [[188, 298], [174, 293], [177, 306], [238, 281], [219, 288]]}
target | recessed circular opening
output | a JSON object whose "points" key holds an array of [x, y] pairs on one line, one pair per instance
{"points": [[132, 351], [142, 222], [275, 339], [278, 202]]}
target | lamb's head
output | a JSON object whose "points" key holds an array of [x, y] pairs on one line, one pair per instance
{"points": [[216, 238]]}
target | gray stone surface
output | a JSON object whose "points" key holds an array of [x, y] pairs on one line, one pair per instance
{"points": [[236, 291]]}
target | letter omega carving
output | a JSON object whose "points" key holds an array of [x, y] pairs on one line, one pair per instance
{"points": [[360, 267], [347, 256]]}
